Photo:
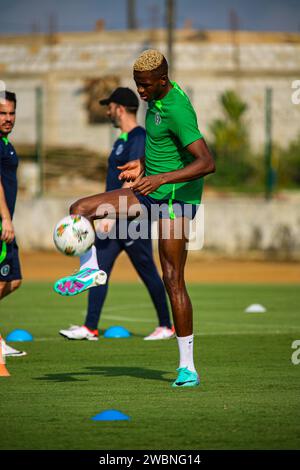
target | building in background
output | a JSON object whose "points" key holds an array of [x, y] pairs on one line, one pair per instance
{"points": [[75, 69]]}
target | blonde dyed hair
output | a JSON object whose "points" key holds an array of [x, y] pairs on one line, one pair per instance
{"points": [[149, 60]]}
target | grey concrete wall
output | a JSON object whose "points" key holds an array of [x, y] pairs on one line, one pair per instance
{"points": [[233, 226], [242, 225]]}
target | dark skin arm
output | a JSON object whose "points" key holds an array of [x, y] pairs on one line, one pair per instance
{"points": [[201, 166], [7, 234]]}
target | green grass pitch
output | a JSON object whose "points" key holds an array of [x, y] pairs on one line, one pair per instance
{"points": [[249, 397]]}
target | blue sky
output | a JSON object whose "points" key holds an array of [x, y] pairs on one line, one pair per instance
{"points": [[18, 16]]}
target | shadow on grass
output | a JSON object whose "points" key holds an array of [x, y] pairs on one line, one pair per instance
{"points": [[135, 372]]}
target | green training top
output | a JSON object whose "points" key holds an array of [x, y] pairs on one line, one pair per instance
{"points": [[171, 125]]}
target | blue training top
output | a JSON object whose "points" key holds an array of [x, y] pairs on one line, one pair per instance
{"points": [[129, 146], [8, 172]]}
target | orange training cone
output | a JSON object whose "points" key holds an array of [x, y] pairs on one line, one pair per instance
{"points": [[3, 371]]}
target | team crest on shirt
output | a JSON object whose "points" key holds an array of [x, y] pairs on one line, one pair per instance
{"points": [[119, 149], [157, 119], [5, 270]]}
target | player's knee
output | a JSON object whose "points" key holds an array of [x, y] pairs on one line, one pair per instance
{"points": [[16, 284], [2, 287], [74, 208], [7, 288], [78, 207]]}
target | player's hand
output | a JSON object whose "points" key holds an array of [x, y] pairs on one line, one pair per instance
{"points": [[147, 184], [8, 232], [132, 171]]}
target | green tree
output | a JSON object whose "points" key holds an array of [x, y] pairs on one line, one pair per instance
{"points": [[230, 143], [289, 165]]}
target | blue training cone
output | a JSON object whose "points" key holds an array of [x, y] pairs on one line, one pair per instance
{"points": [[19, 335], [117, 332], [111, 415]]}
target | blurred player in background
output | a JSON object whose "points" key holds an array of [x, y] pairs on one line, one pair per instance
{"points": [[10, 272], [170, 177], [122, 106]]}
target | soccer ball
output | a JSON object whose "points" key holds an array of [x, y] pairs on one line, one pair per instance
{"points": [[74, 235]]}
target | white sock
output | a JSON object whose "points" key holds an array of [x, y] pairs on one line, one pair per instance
{"points": [[89, 259], [186, 359]]}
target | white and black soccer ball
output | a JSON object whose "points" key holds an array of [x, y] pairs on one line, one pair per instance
{"points": [[73, 235]]}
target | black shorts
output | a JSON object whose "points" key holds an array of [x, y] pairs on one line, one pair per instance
{"points": [[10, 269], [162, 209]]}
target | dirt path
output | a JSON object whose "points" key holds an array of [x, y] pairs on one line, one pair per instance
{"points": [[48, 266]]}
